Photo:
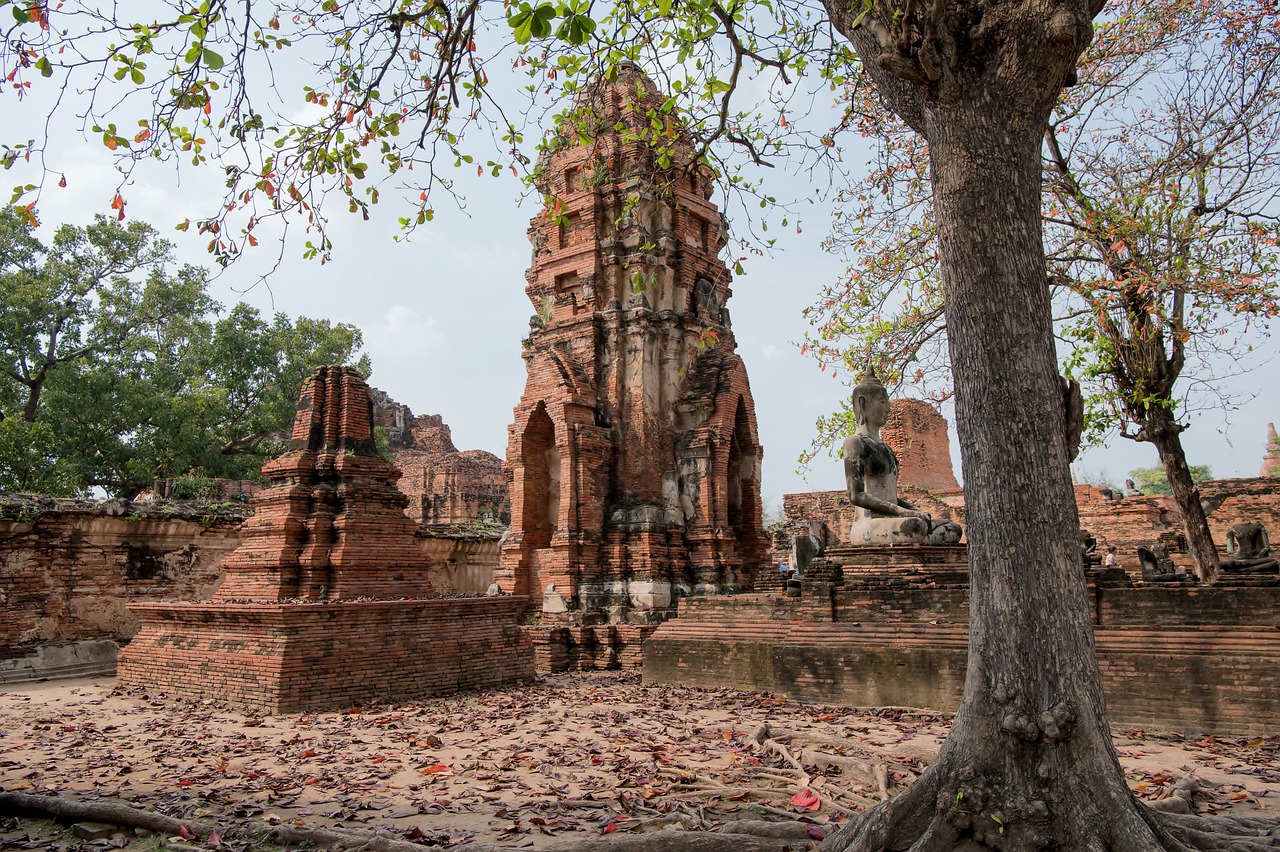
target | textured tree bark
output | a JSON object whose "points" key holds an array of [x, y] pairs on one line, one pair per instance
{"points": [[1163, 432]]}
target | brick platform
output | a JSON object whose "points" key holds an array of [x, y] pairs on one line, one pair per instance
{"points": [[1186, 658], [285, 658]]}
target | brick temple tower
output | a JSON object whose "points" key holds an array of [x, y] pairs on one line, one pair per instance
{"points": [[634, 459]]}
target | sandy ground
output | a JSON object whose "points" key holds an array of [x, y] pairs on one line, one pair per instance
{"points": [[518, 767]]}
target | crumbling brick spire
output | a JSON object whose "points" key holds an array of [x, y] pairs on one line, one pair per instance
{"points": [[634, 459], [332, 524]]}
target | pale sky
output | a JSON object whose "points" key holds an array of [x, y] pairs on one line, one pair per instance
{"points": [[444, 313]]}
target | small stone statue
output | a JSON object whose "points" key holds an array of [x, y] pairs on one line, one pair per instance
{"points": [[1157, 564], [1249, 550], [808, 547], [1131, 490], [871, 474], [1089, 555]]}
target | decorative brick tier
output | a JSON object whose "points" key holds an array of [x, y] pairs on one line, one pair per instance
{"points": [[285, 658], [332, 524], [1185, 658]]}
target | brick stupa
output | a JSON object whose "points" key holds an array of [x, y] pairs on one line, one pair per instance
{"points": [[333, 524], [324, 603], [634, 459]]}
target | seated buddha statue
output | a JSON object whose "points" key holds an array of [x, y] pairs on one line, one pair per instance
{"points": [[1249, 550], [871, 474]]}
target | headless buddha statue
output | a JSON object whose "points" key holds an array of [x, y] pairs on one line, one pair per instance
{"points": [[871, 474], [1249, 550]]}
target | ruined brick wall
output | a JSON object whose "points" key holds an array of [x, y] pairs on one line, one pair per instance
{"points": [[444, 486], [1230, 501], [461, 560], [68, 567], [1216, 649], [918, 435]]}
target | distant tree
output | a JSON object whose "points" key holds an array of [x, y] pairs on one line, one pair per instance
{"points": [[1161, 169], [1153, 480], [116, 371]]}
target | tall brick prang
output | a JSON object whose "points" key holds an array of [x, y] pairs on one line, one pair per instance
{"points": [[918, 435], [634, 459], [1271, 453]]}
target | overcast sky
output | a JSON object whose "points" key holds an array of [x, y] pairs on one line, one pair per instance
{"points": [[444, 313]]}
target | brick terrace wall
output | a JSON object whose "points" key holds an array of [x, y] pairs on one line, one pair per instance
{"points": [[67, 567], [1190, 659], [1231, 501], [460, 564], [283, 658]]}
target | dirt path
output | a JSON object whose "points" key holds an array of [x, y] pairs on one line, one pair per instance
{"points": [[574, 753]]}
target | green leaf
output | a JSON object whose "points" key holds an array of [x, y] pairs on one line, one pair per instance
{"points": [[212, 60], [43, 66]]}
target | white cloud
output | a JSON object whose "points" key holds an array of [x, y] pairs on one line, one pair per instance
{"points": [[403, 336]]}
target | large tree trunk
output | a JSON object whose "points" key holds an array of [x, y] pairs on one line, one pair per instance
{"points": [[1029, 760], [1163, 431]]}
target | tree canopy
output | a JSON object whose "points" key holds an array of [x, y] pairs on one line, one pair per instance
{"points": [[117, 369], [1153, 480]]}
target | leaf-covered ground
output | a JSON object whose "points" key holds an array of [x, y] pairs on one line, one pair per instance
{"points": [[574, 754]]}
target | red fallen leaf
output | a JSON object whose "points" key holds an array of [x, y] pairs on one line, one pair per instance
{"points": [[609, 827], [817, 832], [214, 841], [185, 834], [1239, 796], [806, 799], [185, 782], [434, 769], [308, 753]]}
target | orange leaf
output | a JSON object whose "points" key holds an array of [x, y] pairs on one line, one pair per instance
{"points": [[142, 135], [117, 203], [208, 107], [111, 143], [806, 800], [253, 241], [63, 182], [434, 769]]}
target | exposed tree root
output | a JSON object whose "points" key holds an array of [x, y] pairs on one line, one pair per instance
{"points": [[932, 817], [739, 836]]}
